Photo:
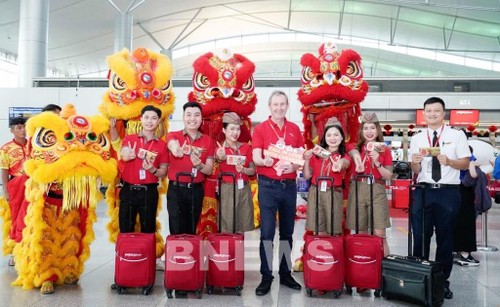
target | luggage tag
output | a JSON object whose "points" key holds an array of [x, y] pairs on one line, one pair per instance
{"points": [[142, 174], [194, 171], [323, 186], [241, 184]]}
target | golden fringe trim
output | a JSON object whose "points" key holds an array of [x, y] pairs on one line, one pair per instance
{"points": [[80, 191], [254, 188], [51, 243], [8, 243]]}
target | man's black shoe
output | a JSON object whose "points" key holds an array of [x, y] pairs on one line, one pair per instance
{"points": [[290, 282], [447, 293], [264, 287]]}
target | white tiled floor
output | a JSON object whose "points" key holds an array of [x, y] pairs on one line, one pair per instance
{"points": [[472, 286]]}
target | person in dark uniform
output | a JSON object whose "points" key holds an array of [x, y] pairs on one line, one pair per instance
{"points": [[437, 154]]}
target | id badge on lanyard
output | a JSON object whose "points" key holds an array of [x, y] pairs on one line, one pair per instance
{"points": [[142, 174], [194, 171], [240, 183]]}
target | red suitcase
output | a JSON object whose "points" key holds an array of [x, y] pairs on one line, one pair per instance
{"points": [[184, 265], [324, 256], [364, 254], [135, 262], [226, 253]]}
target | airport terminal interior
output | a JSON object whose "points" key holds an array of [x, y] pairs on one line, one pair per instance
{"points": [[56, 51]]}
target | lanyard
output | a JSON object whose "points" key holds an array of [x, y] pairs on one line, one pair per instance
{"points": [[438, 138], [277, 135], [150, 145]]}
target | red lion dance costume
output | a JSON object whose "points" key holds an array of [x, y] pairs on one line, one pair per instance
{"points": [[332, 85], [68, 161], [136, 80], [221, 83]]}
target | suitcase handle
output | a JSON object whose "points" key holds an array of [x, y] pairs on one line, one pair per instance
{"points": [[412, 188], [219, 216], [318, 180], [356, 200]]}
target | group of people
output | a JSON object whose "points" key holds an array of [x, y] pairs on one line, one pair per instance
{"points": [[187, 156]]}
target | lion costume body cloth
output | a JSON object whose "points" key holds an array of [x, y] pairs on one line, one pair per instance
{"points": [[222, 83], [136, 80], [67, 161]]}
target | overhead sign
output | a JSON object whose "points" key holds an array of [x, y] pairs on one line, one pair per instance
{"points": [[25, 112], [464, 117]]}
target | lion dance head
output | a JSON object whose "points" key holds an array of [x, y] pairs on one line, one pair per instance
{"points": [[332, 85], [224, 83], [137, 79]]}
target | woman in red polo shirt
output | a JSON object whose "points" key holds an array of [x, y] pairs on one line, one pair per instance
{"points": [[235, 157], [376, 160], [330, 162]]}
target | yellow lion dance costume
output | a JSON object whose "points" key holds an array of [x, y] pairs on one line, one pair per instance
{"points": [[68, 159], [136, 80]]}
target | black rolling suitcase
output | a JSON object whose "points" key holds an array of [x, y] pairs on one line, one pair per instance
{"points": [[413, 279]]}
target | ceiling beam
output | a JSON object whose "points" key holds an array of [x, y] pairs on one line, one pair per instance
{"points": [[341, 19], [176, 40], [448, 40], [394, 26], [289, 14], [150, 36]]}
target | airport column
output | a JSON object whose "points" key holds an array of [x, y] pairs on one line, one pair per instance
{"points": [[33, 36]]}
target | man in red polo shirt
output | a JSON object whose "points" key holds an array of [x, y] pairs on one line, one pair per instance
{"points": [[145, 160], [277, 191], [189, 151]]}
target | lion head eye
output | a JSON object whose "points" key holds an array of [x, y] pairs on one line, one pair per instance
{"points": [[166, 86], [353, 70], [307, 74], [91, 136], [117, 83], [45, 138], [69, 136], [249, 85], [200, 81]]}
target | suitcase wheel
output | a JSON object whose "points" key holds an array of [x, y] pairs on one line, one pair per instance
{"points": [[113, 287], [147, 290], [348, 289], [169, 293], [336, 294], [120, 290], [198, 293], [210, 289], [377, 293], [309, 291], [238, 290]]}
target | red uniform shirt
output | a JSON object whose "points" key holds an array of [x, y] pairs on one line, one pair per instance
{"points": [[243, 150], [267, 133], [323, 167], [12, 157], [132, 168], [385, 158], [202, 142]]}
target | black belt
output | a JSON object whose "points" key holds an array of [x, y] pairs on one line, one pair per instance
{"points": [[144, 186], [188, 185], [282, 181], [439, 185]]}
